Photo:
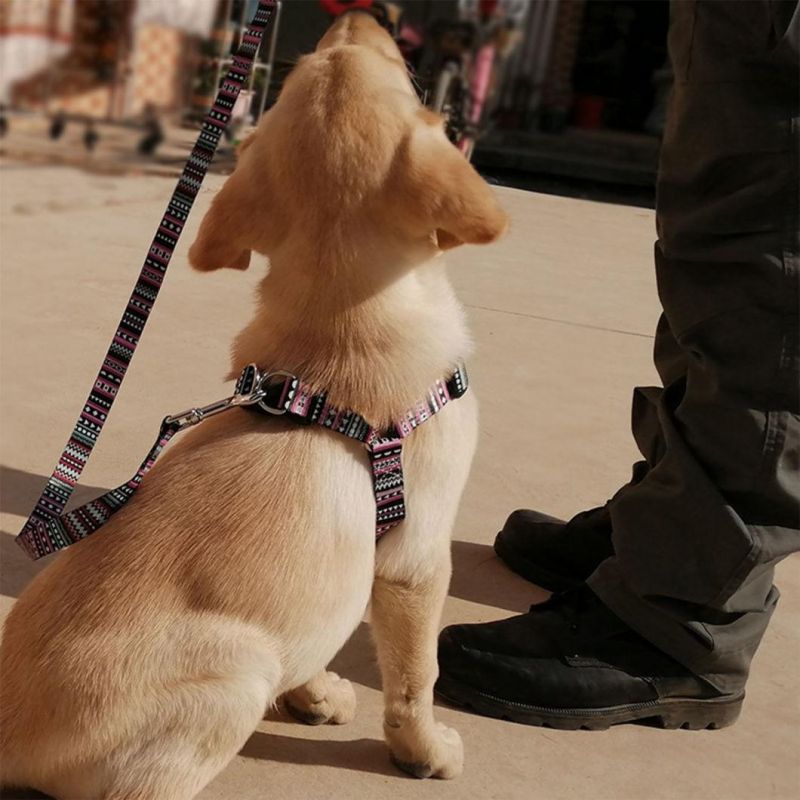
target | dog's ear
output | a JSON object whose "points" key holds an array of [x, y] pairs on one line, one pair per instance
{"points": [[219, 240], [447, 193]]}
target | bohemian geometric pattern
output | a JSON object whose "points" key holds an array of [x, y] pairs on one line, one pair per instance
{"points": [[385, 447]]}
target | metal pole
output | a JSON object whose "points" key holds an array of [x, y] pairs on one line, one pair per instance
{"points": [[268, 65], [242, 29], [222, 58]]}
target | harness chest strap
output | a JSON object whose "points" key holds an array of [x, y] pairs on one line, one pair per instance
{"points": [[276, 394], [300, 404]]}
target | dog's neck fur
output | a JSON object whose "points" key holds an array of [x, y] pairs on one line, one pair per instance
{"points": [[375, 344]]}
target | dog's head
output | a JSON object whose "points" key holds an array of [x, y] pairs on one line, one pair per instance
{"points": [[346, 155]]}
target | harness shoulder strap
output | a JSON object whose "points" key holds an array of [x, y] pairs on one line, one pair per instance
{"points": [[297, 400]]}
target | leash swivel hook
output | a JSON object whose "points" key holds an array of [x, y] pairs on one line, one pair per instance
{"points": [[252, 388]]}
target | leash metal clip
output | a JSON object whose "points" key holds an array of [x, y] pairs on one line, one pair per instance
{"points": [[251, 389], [286, 382], [193, 416]]}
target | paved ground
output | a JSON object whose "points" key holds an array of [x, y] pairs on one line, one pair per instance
{"points": [[563, 309], [115, 151]]}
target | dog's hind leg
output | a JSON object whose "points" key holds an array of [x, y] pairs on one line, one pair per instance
{"points": [[213, 720], [325, 698], [196, 727]]}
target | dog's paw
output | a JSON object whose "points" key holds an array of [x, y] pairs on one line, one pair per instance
{"points": [[326, 698], [436, 753]]}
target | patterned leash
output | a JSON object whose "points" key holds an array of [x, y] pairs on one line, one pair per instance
{"points": [[48, 529]]}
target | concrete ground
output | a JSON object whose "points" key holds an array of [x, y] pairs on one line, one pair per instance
{"points": [[562, 310], [115, 151]]}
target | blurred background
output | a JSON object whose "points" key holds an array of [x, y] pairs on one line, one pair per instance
{"points": [[560, 96]]}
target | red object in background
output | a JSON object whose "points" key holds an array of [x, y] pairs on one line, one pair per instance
{"points": [[587, 111], [487, 8], [337, 7]]}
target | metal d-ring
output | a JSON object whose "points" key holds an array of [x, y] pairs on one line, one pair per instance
{"points": [[253, 394]]}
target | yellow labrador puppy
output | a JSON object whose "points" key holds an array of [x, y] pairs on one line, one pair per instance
{"points": [[140, 661]]}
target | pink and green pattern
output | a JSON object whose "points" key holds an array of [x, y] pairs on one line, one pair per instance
{"points": [[273, 394], [385, 447]]}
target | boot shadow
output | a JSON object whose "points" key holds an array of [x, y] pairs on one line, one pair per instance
{"points": [[481, 577]]}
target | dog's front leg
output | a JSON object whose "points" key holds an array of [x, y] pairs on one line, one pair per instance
{"points": [[405, 622]]}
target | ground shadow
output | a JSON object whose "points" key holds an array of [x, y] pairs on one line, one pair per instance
{"points": [[481, 577], [478, 576], [19, 490], [357, 660], [16, 568], [359, 755]]}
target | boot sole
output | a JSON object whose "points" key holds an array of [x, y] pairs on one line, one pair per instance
{"points": [[531, 571], [687, 713]]}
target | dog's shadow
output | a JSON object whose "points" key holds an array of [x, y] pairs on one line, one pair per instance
{"points": [[16, 569], [359, 755]]}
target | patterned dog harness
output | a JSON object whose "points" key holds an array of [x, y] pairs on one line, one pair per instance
{"points": [[284, 393], [49, 528], [274, 394]]}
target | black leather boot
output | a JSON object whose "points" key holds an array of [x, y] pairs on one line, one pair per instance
{"points": [[571, 663], [554, 554]]}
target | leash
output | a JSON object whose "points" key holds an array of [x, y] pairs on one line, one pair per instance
{"points": [[48, 529]]}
